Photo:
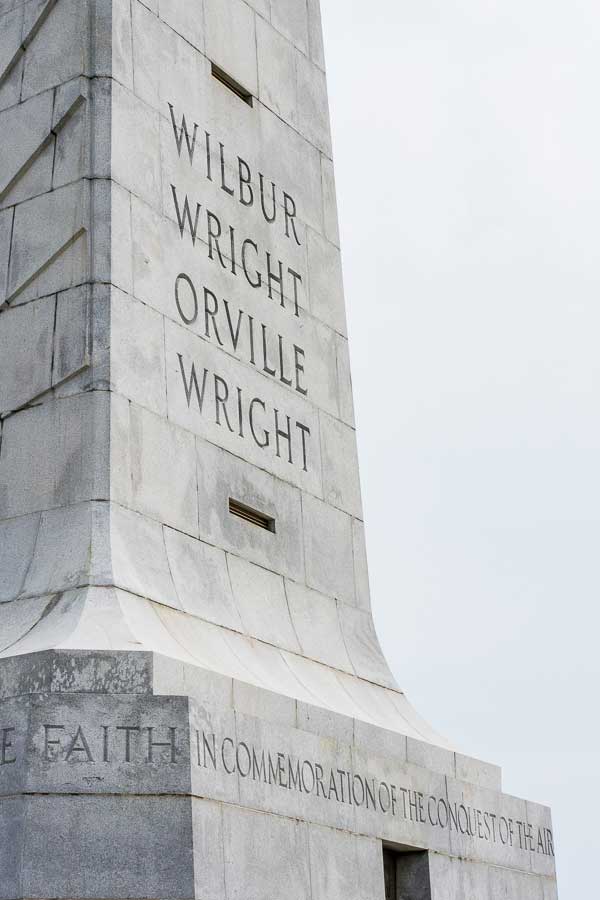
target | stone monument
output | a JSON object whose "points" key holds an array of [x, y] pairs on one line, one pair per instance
{"points": [[193, 701]]}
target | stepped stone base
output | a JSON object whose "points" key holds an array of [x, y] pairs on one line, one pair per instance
{"points": [[131, 775]]}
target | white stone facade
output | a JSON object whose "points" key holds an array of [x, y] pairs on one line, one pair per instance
{"points": [[172, 342]]}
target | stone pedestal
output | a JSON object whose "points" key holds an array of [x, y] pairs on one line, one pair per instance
{"points": [[193, 701], [133, 775]]}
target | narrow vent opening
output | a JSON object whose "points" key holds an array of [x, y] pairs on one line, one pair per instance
{"points": [[253, 516], [232, 84]]}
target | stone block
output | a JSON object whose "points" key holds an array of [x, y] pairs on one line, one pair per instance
{"points": [[363, 645], [49, 246], [330, 217], [11, 26], [150, 845], [135, 145], [377, 705], [324, 687], [18, 618], [75, 743], [277, 80], [139, 557], [379, 741], [162, 476], [72, 150], [327, 537], [321, 363], [52, 455], [59, 49], [324, 723], [537, 835], [12, 821], [35, 15], [209, 853], [231, 41], [298, 170], [316, 622], [72, 671], [339, 454], [73, 333], [122, 255], [249, 839], [11, 77], [63, 551], [214, 753], [334, 867], [325, 282], [506, 884], [201, 579], [550, 888], [261, 599], [291, 19], [361, 568], [222, 476], [346, 401], [34, 179], [28, 125], [477, 772], [17, 543], [26, 347], [167, 69], [258, 703], [428, 756], [6, 223], [101, 235], [261, 6], [187, 19], [313, 106], [315, 34], [138, 353], [121, 61], [152, 39], [457, 879], [508, 849]]}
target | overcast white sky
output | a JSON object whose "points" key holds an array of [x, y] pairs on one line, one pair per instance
{"points": [[467, 142]]}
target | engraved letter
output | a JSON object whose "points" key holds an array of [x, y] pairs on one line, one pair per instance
{"points": [[189, 320], [193, 384], [179, 134], [186, 215], [6, 758]]}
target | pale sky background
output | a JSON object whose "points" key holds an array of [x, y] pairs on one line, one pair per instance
{"points": [[467, 146]]}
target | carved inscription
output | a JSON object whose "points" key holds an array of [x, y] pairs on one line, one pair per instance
{"points": [[309, 777], [7, 750], [110, 743], [210, 393], [135, 744]]}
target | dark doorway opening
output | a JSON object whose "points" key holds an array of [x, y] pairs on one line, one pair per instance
{"points": [[406, 875]]}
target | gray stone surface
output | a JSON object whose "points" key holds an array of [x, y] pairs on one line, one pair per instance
{"points": [[193, 706], [84, 736]]}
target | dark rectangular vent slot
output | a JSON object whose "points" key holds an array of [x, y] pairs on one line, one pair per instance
{"points": [[232, 84], [251, 515]]}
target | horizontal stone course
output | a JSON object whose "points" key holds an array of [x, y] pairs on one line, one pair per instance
{"points": [[113, 741]]}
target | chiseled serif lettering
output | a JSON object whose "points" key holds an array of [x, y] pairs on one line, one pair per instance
{"points": [[7, 752]]}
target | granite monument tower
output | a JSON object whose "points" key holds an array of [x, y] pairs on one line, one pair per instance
{"points": [[193, 701]]}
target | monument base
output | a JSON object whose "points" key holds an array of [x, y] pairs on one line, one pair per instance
{"points": [[131, 775]]}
